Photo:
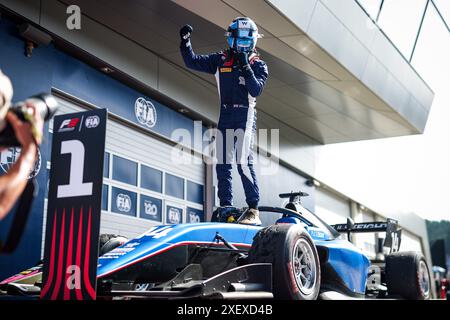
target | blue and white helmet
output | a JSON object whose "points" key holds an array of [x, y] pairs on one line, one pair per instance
{"points": [[242, 34]]}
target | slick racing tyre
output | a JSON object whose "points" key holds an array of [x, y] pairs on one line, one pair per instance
{"points": [[408, 275], [108, 242], [294, 258]]}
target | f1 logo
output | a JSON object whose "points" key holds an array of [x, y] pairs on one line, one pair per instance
{"points": [[69, 124]]}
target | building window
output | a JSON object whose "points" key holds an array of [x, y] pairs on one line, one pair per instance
{"points": [[194, 215], [106, 165], [174, 186], [403, 34], [124, 170], [123, 201], [151, 208], [105, 190], [194, 192], [372, 7], [174, 215], [433, 49], [151, 179]]}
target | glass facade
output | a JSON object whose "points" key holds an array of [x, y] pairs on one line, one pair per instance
{"points": [[194, 192], [404, 21], [151, 208], [174, 186], [174, 215], [372, 7], [106, 165], [444, 8], [432, 50], [400, 21], [138, 190], [194, 215], [124, 170], [151, 179], [124, 201]]}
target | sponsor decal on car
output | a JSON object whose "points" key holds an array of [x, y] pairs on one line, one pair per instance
{"points": [[156, 232], [223, 70]]}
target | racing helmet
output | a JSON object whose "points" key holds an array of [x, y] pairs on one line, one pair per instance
{"points": [[242, 34]]}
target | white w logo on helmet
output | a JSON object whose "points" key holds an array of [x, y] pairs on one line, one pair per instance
{"points": [[242, 24]]}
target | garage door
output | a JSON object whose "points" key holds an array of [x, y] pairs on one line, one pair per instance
{"points": [[142, 185]]}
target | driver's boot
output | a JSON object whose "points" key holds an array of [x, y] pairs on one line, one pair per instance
{"points": [[224, 214], [250, 216]]}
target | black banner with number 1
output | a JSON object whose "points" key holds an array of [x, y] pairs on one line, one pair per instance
{"points": [[74, 206]]}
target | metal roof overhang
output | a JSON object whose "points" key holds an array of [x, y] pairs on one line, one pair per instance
{"points": [[334, 76]]}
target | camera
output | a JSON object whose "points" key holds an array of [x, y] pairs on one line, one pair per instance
{"points": [[45, 104]]}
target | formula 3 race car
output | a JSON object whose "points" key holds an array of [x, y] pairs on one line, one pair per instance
{"points": [[299, 257]]}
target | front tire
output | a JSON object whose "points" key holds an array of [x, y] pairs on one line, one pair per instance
{"points": [[108, 242], [294, 258], [408, 275]]}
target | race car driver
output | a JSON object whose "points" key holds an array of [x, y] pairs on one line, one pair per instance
{"points": [[241, 76]]}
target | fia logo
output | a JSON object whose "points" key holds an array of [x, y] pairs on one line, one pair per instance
{"points": [[9, 156], [123, 202], [150, 208], [174, 216], [145, 112], [92, 122], [68, 125]]}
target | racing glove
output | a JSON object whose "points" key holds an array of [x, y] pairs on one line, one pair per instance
{"points": [[244, 64], [185, 35]]}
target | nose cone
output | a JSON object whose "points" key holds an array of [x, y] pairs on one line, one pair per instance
{"points": [[159, 239]]}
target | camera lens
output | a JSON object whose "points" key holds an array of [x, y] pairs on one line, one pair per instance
{"points": [[45, 104]]}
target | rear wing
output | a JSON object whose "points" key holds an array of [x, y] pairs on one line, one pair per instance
{"points": [[393, 232]]}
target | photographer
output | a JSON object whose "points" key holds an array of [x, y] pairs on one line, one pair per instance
{"points": [[29, 135]]}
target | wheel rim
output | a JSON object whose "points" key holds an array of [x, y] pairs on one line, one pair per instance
{"points": [[304, 266], [424, 279]]}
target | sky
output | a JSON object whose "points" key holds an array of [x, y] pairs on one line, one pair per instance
{"points": [[403, 174]]}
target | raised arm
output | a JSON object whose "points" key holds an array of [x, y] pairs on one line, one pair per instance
{"points": [[203, 63]]}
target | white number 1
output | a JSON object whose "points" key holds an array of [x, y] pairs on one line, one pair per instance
{"points": [[76, 187]]}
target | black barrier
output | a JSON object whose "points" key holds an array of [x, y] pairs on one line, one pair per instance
{"points": [[74, 206]]}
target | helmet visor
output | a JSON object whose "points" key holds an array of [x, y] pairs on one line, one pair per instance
{"points": [[245, 33], [244, 42]]}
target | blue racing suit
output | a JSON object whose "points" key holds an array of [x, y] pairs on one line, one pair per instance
{"points": [[238, 92]]}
